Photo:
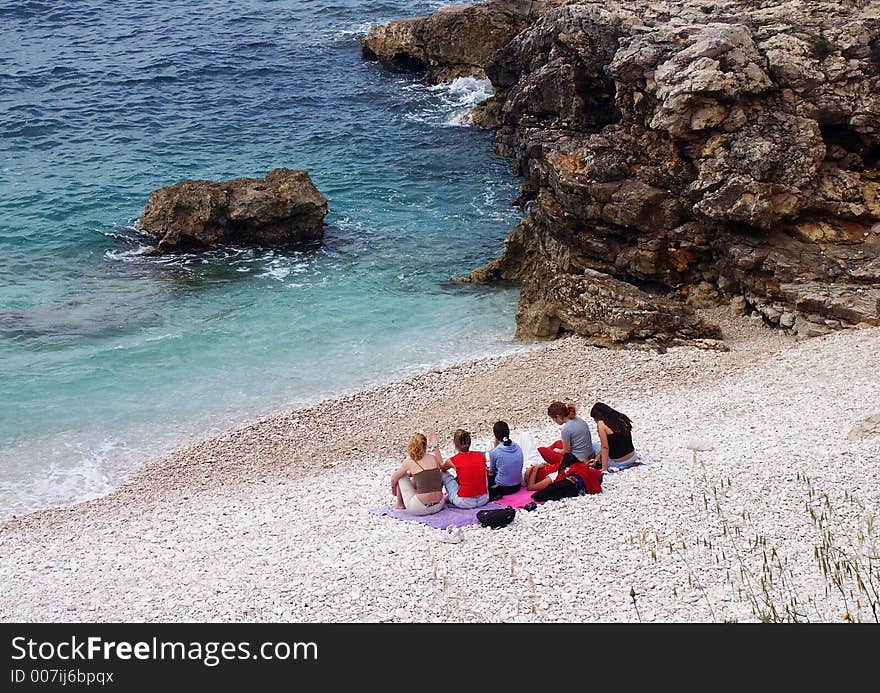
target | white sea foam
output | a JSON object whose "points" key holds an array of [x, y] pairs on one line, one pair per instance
{"points": [[276, 270], [450, 103], [463, 94], [78, 470], [76, 466], [357, 30], [129, 255]]}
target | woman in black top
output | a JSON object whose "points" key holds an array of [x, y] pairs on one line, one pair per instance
{"points": [[615, 448]]}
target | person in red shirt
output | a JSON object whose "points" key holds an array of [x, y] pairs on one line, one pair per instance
{"points": [[468, 488]]}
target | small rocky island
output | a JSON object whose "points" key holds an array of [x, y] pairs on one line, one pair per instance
{"points": [[283, 208], [676, 155]]}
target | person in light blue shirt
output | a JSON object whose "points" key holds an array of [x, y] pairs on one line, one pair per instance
{"points": [[505, 463]]}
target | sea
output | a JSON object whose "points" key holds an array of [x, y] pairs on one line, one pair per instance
{"points": [[110, 357]]}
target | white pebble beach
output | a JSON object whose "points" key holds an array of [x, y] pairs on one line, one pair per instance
{"points": [[272, 522]]}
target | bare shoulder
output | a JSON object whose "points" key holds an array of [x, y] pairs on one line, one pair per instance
{"points": [[428, 462]]}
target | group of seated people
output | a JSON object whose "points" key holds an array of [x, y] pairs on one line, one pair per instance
{"points": [[572, 465]]}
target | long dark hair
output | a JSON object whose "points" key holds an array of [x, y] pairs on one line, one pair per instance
{"points": [[617, 422], [502, 432]]}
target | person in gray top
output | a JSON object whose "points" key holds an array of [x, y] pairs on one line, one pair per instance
{"points": [[576, 443], [576, 437]]}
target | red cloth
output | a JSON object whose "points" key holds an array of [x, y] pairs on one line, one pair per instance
{"points": [[551, 456], [591, 477], [470, 470], [546, 470]]}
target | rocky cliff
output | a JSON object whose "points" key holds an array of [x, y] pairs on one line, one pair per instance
{"points": [[456, 41], [679, 154]]}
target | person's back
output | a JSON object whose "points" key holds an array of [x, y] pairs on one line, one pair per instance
{"points": [[620, 444], [470, 470], [576, 432], [615, 449], [507, 463], [469, 487], [418, 482], [428, 480]]}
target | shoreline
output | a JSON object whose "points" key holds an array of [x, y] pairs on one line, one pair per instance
{"points": [[207, 451], [261, 524], [235, 420]]}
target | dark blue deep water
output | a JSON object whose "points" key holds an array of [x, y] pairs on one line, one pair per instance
{"points": [[107, 357]]}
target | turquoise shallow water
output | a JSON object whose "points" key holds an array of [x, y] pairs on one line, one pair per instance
{"points": [[108, 358]]}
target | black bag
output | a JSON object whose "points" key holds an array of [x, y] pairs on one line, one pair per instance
{"points": [[496, 518], [557, 491]]}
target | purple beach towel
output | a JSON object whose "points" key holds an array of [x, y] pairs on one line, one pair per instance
{"points": [[450, 515]]}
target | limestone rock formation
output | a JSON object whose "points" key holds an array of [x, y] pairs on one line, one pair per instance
{"points": [[283, 208], [455, 41], [699, 152], [608, 311]]}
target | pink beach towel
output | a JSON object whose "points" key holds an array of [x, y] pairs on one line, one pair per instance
{"points": [[516, 500]]}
